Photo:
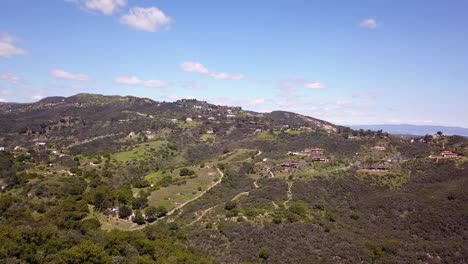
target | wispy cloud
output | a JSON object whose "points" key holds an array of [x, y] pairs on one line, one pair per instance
{"points": [[3, 100], [37, 97], [193, 86], [106, 7], [135, 81], [61, 74], [8, 48], [314, 85], [149, 19], [10, 78], [291, 83], [369, 23], [196, 67]]}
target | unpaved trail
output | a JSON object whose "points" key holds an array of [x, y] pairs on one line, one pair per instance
{"points": [[256, 185], [199, 195], [290, 184], [180, 206], [202, 214], [272, 175]]}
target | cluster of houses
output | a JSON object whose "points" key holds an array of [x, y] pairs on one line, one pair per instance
{"points": [[315, 154]]}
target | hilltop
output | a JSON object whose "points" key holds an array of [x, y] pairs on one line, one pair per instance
{"points": [[121, 179]]}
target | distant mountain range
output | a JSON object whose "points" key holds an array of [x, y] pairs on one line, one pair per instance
{"points": [[417, 130]]}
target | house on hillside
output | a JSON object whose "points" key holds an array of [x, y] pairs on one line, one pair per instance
{"points": [[188, 119], [2, 148], [289, 164], [40, 145], [379, 148], [379, 167], [394, 159], [211, 118], [449, 154], [321, 160], [313, 150], [174, 121]]}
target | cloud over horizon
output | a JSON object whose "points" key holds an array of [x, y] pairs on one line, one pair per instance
{"points": [[8, 48], [135, 81], [196, 67], [10, 78], [61, 74]]}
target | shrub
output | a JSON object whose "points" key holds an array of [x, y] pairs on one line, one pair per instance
{"points": [[230, 205]]}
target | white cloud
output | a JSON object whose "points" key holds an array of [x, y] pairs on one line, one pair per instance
{"points": [[8, 48], [369, 23], [314, 85], [10, 78], [133, 80], [257, 102], [61, 74], [196, 67], [149, 19], [37, 97], [227, 76], [107, 7], [3, 100]]}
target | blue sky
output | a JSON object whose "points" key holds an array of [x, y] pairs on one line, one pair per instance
{"points": [[348, 62]]}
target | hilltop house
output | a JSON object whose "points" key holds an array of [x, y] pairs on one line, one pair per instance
{"points": [[188, 119], [449, 154], [2, 148]]}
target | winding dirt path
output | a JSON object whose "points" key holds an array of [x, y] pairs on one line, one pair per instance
{"points": [[198, 196], [180, 206], [290, 184]]}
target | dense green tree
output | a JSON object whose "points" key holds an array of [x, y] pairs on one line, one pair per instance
{"points": [[138, 218], [124, 211]]}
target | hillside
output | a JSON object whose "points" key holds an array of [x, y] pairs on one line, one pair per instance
{"points": [[112, 179]]}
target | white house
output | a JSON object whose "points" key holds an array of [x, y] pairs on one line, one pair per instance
{"points": [[2, 148]]}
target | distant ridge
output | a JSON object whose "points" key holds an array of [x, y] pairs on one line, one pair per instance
{"points": [[417, 130]]}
